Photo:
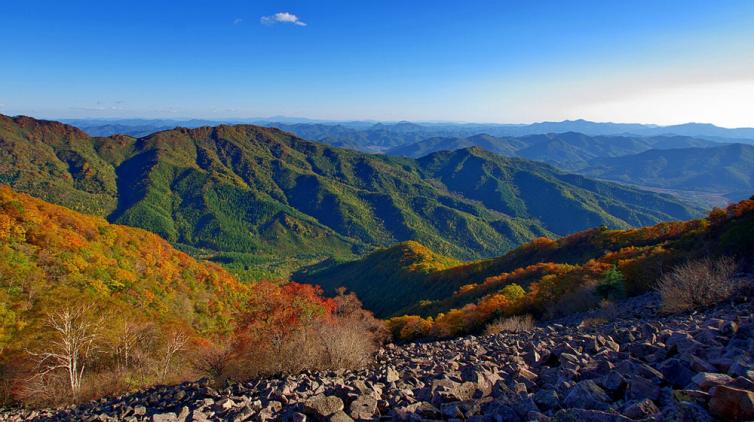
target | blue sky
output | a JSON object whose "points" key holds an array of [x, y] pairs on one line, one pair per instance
{"points": [[486, 61]]}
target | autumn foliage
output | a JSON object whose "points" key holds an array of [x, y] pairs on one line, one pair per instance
{"points": [[148, 312], [577, 272]]}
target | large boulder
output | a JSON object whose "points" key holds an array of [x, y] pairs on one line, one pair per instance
{"points": [[732, 404], [707, 380], [364, 407], [587, 395], [321, 406], [676, 372]]}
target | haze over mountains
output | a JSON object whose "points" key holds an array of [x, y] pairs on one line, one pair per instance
{"points": [[726, 168], [568, 150], [690, 167], [373, 136]]}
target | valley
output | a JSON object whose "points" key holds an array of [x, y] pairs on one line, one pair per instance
{"points": [[341, 211], [447, 250], [247, 195]]}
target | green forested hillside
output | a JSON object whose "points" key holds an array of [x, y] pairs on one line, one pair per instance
{"points": [[240, 193]]}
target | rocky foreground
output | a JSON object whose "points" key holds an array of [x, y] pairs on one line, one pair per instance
{"points": [[638, 366]]}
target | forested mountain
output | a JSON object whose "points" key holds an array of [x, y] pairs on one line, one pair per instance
{"points": [[697, 170], [727, 169], [245, 191]]}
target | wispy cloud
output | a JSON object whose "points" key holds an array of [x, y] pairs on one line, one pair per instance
{"points": [[282, 17], [236, 21]]}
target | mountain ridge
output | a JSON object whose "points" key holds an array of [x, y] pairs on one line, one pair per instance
{"points": [[244, 189]]}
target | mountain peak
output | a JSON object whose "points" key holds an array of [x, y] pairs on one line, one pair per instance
{"points": [[44, 129]]}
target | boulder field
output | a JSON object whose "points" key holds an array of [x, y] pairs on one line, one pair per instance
{"points": [[634, 365]]}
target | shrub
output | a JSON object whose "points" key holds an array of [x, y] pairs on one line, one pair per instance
{"points": [[582, 299], [592, 322], [697, 284], [293, 329], [410, 327], [611, 286], [353, 337], [512, 324], [513, 292]]}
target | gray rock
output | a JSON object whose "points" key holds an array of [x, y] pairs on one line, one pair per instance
{"points": [[641, 409], [676, 372], [614, 382], [340, 416], [165, 417], [733, 404], [391, 375], [547, 399], [707, 380], [685, 412], [587, 395], [364, 407], [640, 389], [322, 405], [583, 415]]}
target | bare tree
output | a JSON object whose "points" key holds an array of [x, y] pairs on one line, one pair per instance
{"points": [[125, 345], [71, 345], [176, 343]]}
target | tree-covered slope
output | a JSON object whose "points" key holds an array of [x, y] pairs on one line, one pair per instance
{"points": [[544, 276], [89, 308], [563, 203], [56, 162], [499, 145], [234, 191], [251, 189], [52, 257], [551, 278], [403, 268]]}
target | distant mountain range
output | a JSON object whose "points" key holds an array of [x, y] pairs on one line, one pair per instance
{"points": [[240, 193], [378, 137], [567, 151]]}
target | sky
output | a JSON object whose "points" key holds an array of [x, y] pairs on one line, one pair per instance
{"points": [[655, 61]]}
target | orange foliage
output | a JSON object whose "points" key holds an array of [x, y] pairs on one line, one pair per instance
{"points": [[52, 257]]}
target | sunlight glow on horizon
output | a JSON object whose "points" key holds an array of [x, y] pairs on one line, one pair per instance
{"points": [[646, 62]]}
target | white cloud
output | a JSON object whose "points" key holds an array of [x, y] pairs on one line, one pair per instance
{"points": [[236, 21], [282, 17]]}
